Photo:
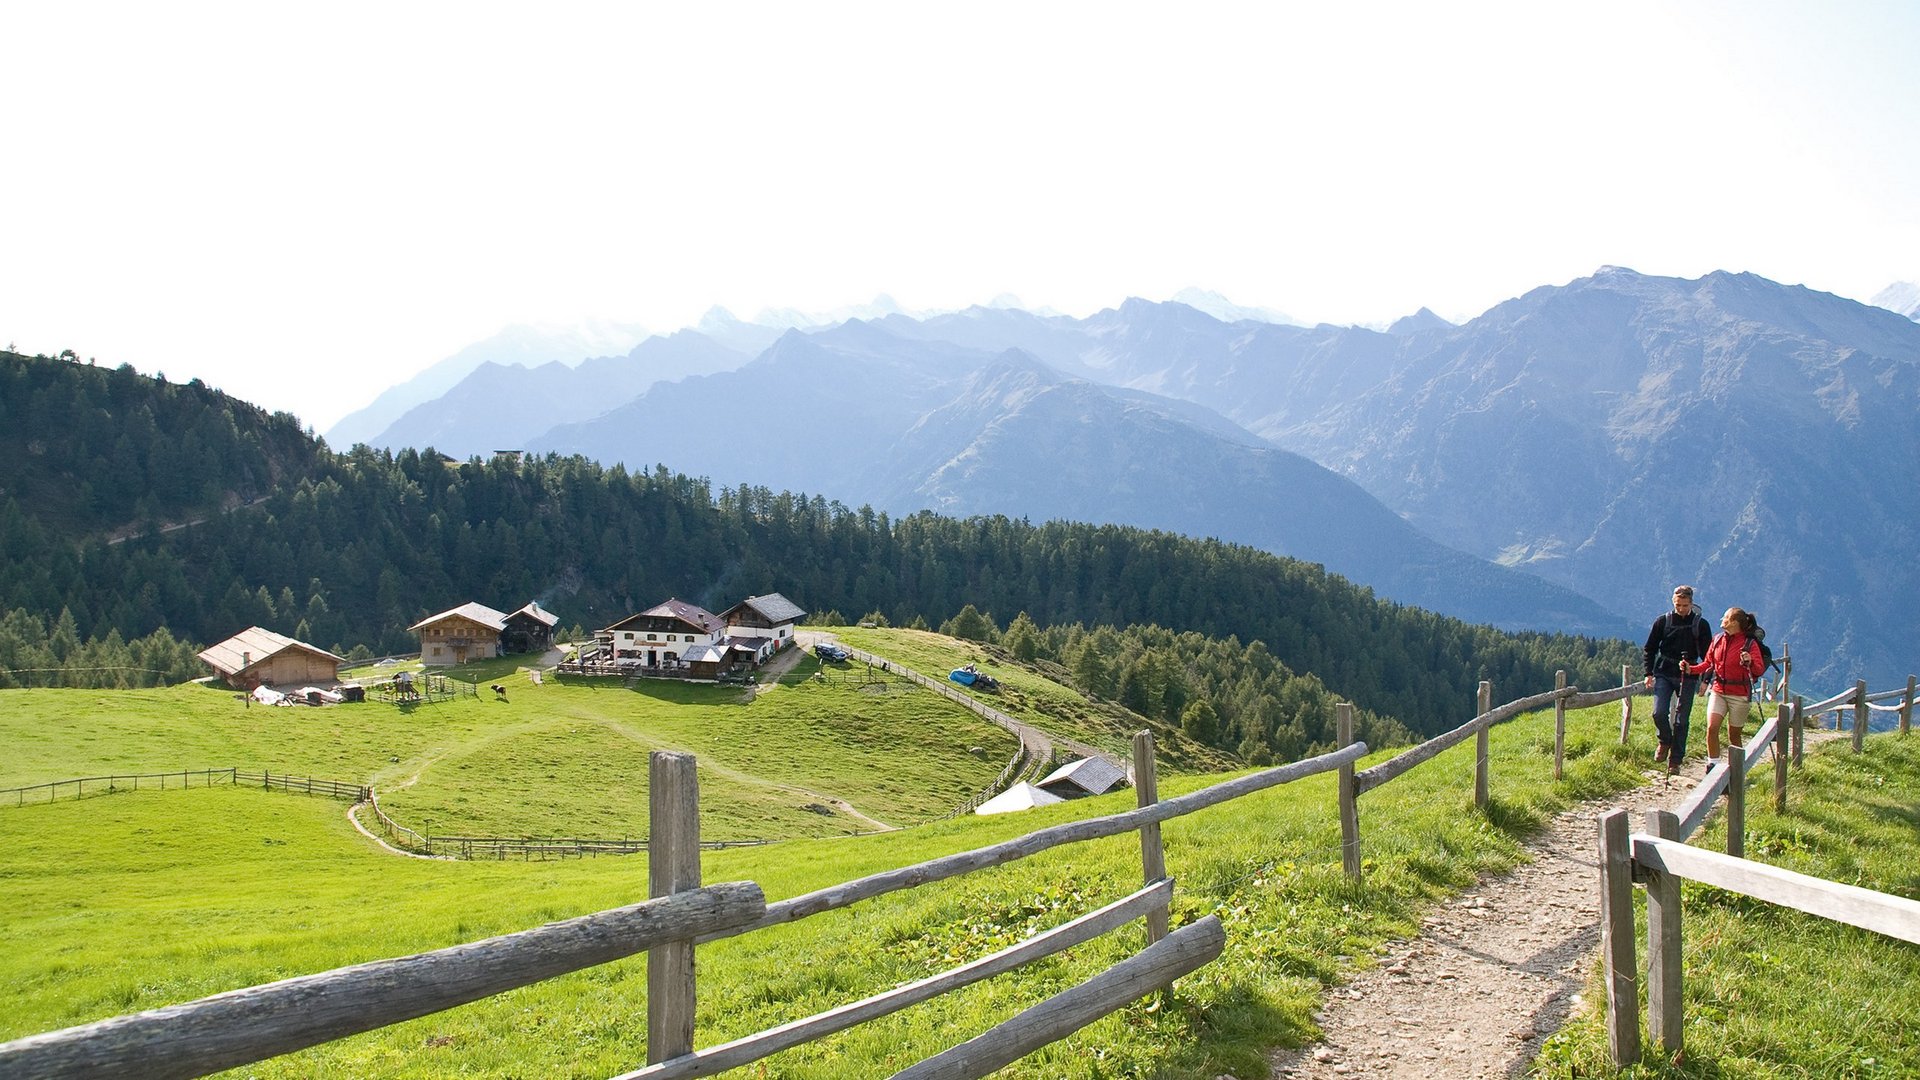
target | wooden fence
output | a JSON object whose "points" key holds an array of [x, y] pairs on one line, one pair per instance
{"points": [[106, 785], [249, 1025], [1661, 859], [242, 1026], [1354, 784]]}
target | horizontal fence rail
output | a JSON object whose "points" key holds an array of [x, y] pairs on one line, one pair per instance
{"points": [[332, 789], [1367, 779], [1662, 859], [248, 1025], [112, 783], [1883, 913], [259, 1022], [229, 777], [752, 1048], [948, 866], [1182, 952]]}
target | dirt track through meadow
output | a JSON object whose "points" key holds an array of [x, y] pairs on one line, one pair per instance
{"points": [[1494, 972]]}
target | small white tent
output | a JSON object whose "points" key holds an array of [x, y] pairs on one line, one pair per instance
{"points": [[1021, 796]]}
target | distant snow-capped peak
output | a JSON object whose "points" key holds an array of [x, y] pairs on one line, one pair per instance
{"points": [[1901, 296], [1226, 310]]}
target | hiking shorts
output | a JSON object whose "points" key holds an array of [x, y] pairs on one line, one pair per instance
{"points": [[1732, 706]]}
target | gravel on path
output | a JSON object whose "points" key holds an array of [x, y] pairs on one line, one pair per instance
{"points": [[1495, 970]]}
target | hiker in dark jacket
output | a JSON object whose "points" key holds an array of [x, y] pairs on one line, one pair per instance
{"points": [[1678, 637]]}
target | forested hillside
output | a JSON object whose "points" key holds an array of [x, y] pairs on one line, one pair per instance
{"points": [[349, 549], [93, 449]]}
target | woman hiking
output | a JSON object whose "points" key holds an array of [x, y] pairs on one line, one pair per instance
{"points": [[1733, 661]]}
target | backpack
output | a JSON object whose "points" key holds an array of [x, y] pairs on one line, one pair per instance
{"points": [[1692, 630], [1766, 655]]}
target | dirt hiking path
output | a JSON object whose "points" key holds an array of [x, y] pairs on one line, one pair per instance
{"points": [[1494, 971]]}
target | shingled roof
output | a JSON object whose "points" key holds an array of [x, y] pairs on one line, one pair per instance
{"points": [[480, 613], [541, 615], [253, 646], [772, 607], [1091, 775]]}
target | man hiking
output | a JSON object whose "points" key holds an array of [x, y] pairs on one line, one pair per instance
{"points": [[1678, 637]]}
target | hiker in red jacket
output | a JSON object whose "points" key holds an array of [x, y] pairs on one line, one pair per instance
{"points": [[1733, 662]]}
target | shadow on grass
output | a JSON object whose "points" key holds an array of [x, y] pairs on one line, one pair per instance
{"points": [[679, 692], [1515, 819], [1203, 1042], [490, 670]]}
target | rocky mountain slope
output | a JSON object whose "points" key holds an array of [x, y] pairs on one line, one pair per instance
{"points": [[1613, 435]]}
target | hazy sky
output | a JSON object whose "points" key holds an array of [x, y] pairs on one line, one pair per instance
{"points": [[302, 204]]}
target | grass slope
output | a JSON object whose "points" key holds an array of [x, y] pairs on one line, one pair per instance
{"points": [[1771, 992], [567, 758], [1029, 697], [136, 900]]}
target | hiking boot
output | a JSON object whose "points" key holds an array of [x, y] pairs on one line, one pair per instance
{"points": [[1673, 768], [1661, 753]]}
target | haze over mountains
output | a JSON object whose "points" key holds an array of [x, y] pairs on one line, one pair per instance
{"points": [[1607, 437]]}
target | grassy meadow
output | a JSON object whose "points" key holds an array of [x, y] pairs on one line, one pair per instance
{"points": [[139, 899], [1772, 992], [565, 758], [1029, 697]]}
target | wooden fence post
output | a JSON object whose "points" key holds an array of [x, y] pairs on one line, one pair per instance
{"points": [[1616, 933], [1349, 800], [1781, 721], [1626, 704], [1559, 724], [1799, 731], [1906, 708], [673, 866], [1480, 747], [1736, 767], [1153, 858], [1786, 673], [1664, 1005], [1859, 715]]}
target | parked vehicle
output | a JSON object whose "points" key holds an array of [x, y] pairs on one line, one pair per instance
{"points": [[832, 653]]}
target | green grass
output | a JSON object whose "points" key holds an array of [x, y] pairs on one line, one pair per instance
{"points": [[1030, 697], [137, 900], [568, 758], [1771, 992]]}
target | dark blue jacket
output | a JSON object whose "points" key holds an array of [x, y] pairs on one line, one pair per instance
{"points": [[1673, 638]]}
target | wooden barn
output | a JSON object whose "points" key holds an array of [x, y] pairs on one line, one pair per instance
{"points": [[458, 635], [259, 657], [529, 630], [764, 624]]}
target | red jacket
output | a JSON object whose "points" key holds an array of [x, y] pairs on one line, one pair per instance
{"points": [[1734, 662]]}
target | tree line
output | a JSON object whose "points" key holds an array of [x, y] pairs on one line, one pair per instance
{"points": [[347, 550]]}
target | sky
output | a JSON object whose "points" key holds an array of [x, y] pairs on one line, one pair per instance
{"points": [[305, 204]]}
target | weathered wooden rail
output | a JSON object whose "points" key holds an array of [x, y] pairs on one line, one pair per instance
{"points": [[259, 1022], [230, 776], [1562, 697], [1660, 858], [243, 1026]]}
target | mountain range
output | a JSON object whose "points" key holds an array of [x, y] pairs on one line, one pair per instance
{"points": [[1560, 460]]}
